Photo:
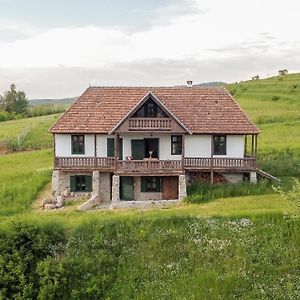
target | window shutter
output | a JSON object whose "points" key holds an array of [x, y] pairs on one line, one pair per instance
{"points": [[158, 184], [143, 184], [88, 183], [110, 147], [72, 184], [121, 148]]}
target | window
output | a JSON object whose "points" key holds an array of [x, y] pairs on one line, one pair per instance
{"points": [[151, 110], [77, 144], [176, 144], [219, 145], [150, 184], [80, 183]]}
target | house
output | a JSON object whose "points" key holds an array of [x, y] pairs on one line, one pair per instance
{"points": [[144, 143]]}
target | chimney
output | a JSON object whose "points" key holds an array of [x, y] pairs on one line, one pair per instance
{"points": [[189, 83]]}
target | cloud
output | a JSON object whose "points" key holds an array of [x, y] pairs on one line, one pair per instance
{"points": [[196, 39]]}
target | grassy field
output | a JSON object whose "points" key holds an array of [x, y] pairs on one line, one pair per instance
{"points": [[22, 176], [33, 131]]}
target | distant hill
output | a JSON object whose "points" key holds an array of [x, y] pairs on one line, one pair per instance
{"points": [[214, 83], [34, 102]]}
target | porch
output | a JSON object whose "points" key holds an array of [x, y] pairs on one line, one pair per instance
{"points": [[154, 166]]}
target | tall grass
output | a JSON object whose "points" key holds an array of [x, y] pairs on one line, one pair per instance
{"points": [[202, 192], [22, 176], [154, 258]]}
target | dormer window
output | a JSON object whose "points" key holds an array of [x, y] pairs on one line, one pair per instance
{"points": [[151, 110]]}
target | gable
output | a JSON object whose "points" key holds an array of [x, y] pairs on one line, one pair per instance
{"points": [[150, 114]]}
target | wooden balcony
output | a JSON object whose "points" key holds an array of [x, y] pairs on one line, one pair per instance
{"points": [[154, 166], [150, 124], [149, 166], [85, 163], [219, 164]]}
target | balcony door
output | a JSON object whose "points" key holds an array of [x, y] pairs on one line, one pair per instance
{"points": [[145, 148]]}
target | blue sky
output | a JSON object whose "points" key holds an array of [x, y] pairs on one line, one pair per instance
{"points": [[57, 48]]}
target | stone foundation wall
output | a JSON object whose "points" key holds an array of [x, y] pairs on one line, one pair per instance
{"points": [[61, 184], [234, 177]]}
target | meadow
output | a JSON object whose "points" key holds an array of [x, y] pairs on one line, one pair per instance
{"points": [[33, 132], [223, 242]]}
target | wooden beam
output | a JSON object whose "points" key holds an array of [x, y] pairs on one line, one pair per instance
{"points": [[212, 160], [54, 151], [116, 150], [252, 146], [255, 145], [95, 145], [183, 150], [246, 139]]}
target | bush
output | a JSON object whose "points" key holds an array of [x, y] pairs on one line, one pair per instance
{"points": [[275, 98], [22, 247]]}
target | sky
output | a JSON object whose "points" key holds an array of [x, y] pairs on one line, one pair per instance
{"points": [[56, 49]]}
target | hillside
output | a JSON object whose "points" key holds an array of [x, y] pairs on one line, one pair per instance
{"points": [[67, 101]]}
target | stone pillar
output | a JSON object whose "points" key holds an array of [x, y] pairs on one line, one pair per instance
{"points": [[115, 190], [181, 187], [55, 184], [96, 183], [253, 177]]}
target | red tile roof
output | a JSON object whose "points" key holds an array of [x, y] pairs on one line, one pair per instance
{"points": [[201, 110]]}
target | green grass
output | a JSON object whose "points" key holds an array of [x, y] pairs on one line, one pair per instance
{"points": [[278, 120], [162, 257], [22, 176], [36, 129]]}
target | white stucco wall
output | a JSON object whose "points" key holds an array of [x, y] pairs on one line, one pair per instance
{"points": [[102, 144], [235, 146], [197, 146], [63, 145], [200, 146]]}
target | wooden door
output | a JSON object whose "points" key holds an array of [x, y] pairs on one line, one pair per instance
{"points": [[126, 188], [170, 188]]}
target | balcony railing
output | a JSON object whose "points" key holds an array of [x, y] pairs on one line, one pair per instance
{"points": [[149, 166], [84, 162], [145, 124], [154, 165], [246, 163]]}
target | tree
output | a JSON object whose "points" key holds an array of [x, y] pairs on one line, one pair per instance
{"points": [[282, 72], [14, 101]]}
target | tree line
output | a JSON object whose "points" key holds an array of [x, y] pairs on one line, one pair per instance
{"points": [[14, 101]]}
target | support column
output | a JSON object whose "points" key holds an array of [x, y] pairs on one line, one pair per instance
{"points": [[115, 190], [253, 177], [55, 184], [212, 160], [181, 187], [96, 183]]}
